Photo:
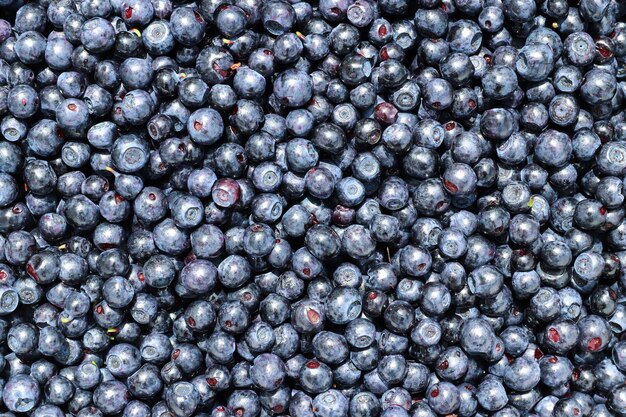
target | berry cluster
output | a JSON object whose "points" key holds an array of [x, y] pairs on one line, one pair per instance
{"points": [[327, 208]]}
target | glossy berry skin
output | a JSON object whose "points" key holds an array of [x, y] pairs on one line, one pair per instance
{"points": [[110, 396], [205, 126], [189, 24], [21, 393], [97, 35], [293, 88], [267, 371], [578, 48], [22, 101]]}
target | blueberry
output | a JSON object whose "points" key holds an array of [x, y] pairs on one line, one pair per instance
{"points": [[331, 403], [21, 393], [579, 48], [598, 86], [110, 397], [97, 35], [137, 13], [205, 126], [499, 82], [187, 25], [293, 88], [23, 101], [58, 390], [267, 372]]}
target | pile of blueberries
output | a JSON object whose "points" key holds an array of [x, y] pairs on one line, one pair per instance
{"points": [[327, 208]]}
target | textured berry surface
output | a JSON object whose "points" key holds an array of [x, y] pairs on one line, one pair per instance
{"points": [[330, 208]]}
